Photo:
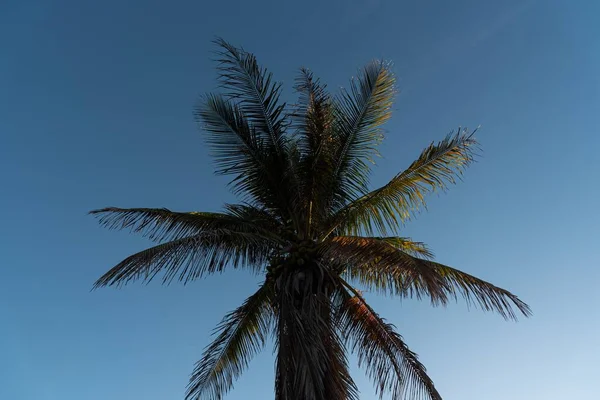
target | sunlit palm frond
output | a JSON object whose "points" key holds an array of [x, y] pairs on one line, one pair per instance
{"points": [[160, 224], [388, 207], [361, 259], [359, 114], [192, 257], [253, 88], [389, 363], [407, 245], [241, 335], [380, 266]]}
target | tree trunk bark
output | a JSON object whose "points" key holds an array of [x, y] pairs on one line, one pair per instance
{"points": [[311, 362]]}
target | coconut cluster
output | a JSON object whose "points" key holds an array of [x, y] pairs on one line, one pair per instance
{"points": [[299, 256]]}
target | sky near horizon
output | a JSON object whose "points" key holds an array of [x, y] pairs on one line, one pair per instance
{"points": [[96, 103]]}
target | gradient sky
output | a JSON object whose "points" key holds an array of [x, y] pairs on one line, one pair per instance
{"points": [[96, 106]]}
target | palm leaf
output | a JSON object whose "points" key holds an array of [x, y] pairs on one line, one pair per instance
{"points": [[191, 257], [362, 258], [359, 115], [254, 89], [389, 206], [479, 292], [241, 335], [313, 117], [160, 224], [408, 246], [238, 149], [389, 362], [314, 122], [382, 267], [235, 144]]}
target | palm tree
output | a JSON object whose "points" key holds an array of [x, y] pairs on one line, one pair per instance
{"points": [[309, 224]]}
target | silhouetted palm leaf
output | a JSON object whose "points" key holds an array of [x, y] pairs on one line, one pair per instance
{"points": [[192, 257], [254, 89], [241, 335], [161, 224], [408, 245]]}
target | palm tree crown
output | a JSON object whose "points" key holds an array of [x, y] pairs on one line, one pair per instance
{"points": [[309, 223]]}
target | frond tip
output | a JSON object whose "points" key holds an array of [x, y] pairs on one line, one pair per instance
{"points": [[253, 88], [481, 293], [382, 267], [386, 208]]}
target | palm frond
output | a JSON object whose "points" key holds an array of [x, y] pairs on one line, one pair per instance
{"points": [[382, 267], [253, 93], [359, 115], [253, 88], [407, 245], [190, 258], [313, 117], [240, 150], [479, 292], [390, 364], [241, 335], [361, 259], [314, 122], [161, 224], [235, 144], [388, 207]]}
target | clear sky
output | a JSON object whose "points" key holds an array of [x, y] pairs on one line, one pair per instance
{"points": [[96, 103]]}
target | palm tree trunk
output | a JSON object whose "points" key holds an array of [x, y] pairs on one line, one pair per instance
{"points": [[311, 363]]}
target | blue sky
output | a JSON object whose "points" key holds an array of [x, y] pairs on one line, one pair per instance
{"points": [[96, 109]]}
